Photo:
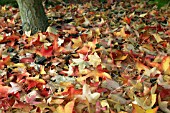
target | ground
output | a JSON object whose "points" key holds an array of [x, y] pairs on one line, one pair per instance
{"points": [[94, 58]]}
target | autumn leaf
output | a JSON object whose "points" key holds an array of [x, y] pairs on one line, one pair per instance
{"points": [[138, 109], [163, 105], [157, 38], [60, 109], [146, 102], [77, 42], [91, 97], [4, 91], [68, 108], [166, 65], [94, 60], [46, 52]]}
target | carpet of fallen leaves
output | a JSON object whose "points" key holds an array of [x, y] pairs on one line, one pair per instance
{"points": [[94, 58]]}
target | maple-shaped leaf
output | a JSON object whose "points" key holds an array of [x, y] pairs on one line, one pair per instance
{"points": [[122, 33], [84, 50], [96, 74], [86, 22], [11, 38], [145, 102], [46, 52], [15, 88], [35, 82], [31, 97], [91, 97], [71, 31], [94, 60], [138, 109], [68, 108], [81, 63], [163, 105], [77, 42], [54, 101]]}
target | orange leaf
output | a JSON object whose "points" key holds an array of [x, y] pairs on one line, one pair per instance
{"points": [[4, 91], [96, 75], [84, 50], [127, 20], [137, 109]]}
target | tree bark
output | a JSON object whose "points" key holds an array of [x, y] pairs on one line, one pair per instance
{"points": [[32, 15]]}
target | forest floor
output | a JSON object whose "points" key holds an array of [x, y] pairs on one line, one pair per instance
{"points": [[94, 58]]}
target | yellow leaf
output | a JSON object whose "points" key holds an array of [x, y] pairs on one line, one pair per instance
{"points": [[122, 33], [94, 59], [146, 102], [152, 110], [166, 65], [140, 66], [137, 109], [77, 43], [69, 107], [86, 22], [1, 37], [42, 71], [157, 38], [60, 109], [121, 57]]}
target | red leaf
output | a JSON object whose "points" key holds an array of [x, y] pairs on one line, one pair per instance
{"points": [[44, 92], [27, 60], [46, 52], [35, 83], [20, 105]]}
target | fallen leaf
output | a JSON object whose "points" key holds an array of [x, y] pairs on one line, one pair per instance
{"points": [[157, 37], [68, 108]]}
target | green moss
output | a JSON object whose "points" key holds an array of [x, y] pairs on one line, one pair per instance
{"points": [[160, 3]]}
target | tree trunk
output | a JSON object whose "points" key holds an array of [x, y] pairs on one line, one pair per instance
{"points": [[32, 15]]}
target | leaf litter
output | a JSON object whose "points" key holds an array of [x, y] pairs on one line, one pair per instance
{"points": [[94, 58]]}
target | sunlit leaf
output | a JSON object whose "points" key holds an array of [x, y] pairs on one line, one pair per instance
{"points": [[166, 65], [68, 108], [94, 59], [91, 97], [157, 37]]}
